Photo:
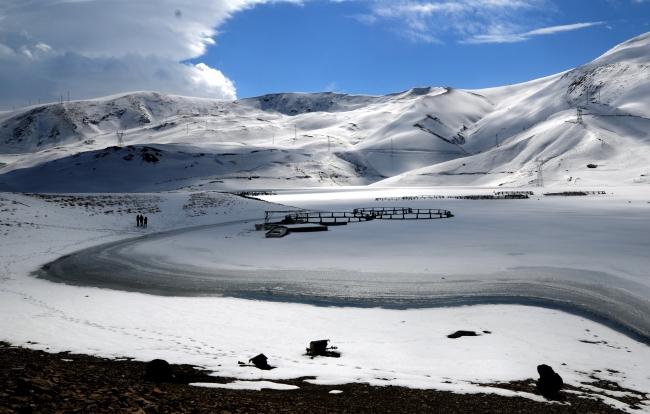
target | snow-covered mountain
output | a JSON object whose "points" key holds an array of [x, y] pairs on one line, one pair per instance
{"points": [[423, 136], [537, 123]]}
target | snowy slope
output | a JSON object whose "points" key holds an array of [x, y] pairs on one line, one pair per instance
{"points": [[276, 140], [423, 136], [538, 121]]}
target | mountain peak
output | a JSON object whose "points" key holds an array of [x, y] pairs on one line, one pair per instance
{"points": [[633, 49]]}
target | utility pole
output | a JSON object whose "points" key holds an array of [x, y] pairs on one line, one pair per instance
{"points": [[540, 172], [120, 141], [579, 116], [600, 86], [497, 140]]}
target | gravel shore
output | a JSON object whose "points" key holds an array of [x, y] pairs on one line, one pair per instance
{"points": [[41, 382]]}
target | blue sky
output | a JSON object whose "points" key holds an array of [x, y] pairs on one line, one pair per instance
{"points": [[318, 46], [241, 48]]}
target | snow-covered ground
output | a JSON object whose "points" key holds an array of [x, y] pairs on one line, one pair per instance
{"points": [[381, 346]]}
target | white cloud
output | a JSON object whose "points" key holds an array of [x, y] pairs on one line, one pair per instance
{"points": [[210, 81], [110, 46], [6, 52], [558, 29], [506, 37], [88, 77], [467, 21]]}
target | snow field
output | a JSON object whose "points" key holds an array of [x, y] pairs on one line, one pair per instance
{"points": [[379, 346]]}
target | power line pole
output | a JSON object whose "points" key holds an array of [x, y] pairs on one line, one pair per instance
{"points": [[120, 141], [600, 86], [540, 172], [579, 116]]}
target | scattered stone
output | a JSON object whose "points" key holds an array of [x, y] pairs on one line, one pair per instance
{"points": [[458, 334], [107, 386], [549, 382], [159, 370], [319, 348], [592, 166], [260, 362]]}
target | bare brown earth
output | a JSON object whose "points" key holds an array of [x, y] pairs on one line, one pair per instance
{"points": [[41, 382]]}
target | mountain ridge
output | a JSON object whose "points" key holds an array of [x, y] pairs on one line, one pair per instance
{"points": [[421, 136]]}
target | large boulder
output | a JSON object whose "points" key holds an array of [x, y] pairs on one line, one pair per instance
{"points": [[261, 362], [549, 381], [159, 370]]}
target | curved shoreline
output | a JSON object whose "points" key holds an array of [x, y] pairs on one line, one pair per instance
{"points": [[604, 298]]}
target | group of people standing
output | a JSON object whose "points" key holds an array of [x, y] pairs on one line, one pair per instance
{"points": [[141, 220]]}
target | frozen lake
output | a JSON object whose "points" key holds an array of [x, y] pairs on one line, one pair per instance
{"points": [[586, 254]]}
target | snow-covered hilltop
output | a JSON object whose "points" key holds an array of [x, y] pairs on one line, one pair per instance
{"points": [[423, 136]]}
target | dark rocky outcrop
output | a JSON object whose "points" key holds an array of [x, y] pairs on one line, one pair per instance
{"points": [[261, 362], [320, 348], [549, 382], [458, 334], [159, 370]]}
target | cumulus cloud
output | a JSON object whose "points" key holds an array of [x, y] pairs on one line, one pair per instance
{"points": [[467, 21], [88, 77], [96, 47]]}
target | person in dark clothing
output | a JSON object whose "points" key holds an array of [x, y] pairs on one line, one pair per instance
{"points": [[145, 222], [137, 219]]}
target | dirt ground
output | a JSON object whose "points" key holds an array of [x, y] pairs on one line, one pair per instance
{"points": [[40, 382]]}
